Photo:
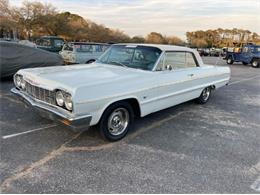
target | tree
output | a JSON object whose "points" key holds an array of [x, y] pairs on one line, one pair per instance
{"points": [[138, 39], [173, 40], [155, 37], [8, 19], [220, 37], [30, 14]]}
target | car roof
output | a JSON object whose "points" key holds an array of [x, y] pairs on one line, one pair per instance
{"points": [[160, 46], [87, 43], [51, 37]]}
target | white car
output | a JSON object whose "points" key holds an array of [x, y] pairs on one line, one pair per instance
{"points": [[127, 80], [82, 52]]}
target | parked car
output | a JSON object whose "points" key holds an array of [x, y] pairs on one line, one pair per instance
{"points": [[50, 43], [28, 43], [127, 80], [15, 56], [203, 51], [216, 52], [248, 54], [82, 52]]}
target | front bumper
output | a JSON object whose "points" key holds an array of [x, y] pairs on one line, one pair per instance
{"points": [[54, 113]]}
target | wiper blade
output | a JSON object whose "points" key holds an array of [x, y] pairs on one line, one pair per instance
{"points": [[118, 63]]}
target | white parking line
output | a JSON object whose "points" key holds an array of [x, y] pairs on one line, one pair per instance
{"points": [[242, 80], [26, 132]]}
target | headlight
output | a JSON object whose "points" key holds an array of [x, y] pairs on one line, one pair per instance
{"points": [[18, 80], [23, 84], [59, 98], [68, 101]]}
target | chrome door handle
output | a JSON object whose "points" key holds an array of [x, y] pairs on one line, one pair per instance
{"points": [[191, 75]]}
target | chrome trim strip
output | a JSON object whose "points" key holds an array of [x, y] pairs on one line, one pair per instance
{"points": [[183, 91], [158, 60], [145, 89]]}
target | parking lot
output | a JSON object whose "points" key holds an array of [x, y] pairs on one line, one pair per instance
{"points": [[190, 148]]}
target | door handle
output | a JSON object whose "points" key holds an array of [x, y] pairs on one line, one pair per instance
{"points": [[191, 75]]}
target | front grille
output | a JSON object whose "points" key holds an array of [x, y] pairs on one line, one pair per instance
{"points": [[40, 93]]}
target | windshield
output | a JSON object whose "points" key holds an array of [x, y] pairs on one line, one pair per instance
{"points": [[58, 43], [140, 57]]}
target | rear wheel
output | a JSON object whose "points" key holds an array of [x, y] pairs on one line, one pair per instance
{"points": [[230, 60], [204, 96], [255, 63], [116, 121], [90, 61]]}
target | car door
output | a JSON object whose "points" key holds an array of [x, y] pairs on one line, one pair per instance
{"points": [[177, 79], [96, 51], [85, 53], [246, 54]]}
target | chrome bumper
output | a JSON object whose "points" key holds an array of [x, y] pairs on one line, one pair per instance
{"points": [[54, 113]]}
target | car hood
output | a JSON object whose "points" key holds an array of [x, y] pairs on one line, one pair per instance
{"points": [[75, 76]]}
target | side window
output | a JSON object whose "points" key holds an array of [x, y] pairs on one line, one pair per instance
{"points": [[174, 60], [98, 48], [178, 60], [190, 62], [58, 43], [104, 47], [84, 48], [245, 49], [46, 42]]}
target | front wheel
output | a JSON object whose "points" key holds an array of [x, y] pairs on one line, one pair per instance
{"points": [[204, 96], [90, 61], [116, 121], [255, 63]]}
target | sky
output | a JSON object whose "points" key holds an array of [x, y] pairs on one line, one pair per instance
{"points": [[168, 17]]}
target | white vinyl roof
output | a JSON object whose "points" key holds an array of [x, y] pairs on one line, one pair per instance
{"points": [[160, 46], [168, 48]]}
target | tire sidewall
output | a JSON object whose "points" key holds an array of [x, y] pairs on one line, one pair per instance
{"points": [[90, 61], [229, 60], [103, 123], [201, 100], [257, 63]]}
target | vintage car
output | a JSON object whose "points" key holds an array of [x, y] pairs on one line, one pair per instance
{"points": [[82, 52], [128, 80], [50, 43]]}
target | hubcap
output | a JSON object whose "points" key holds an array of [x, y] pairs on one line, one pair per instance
{"points": [[229, 60], [118, 121], [254, 63], [205, 94]]}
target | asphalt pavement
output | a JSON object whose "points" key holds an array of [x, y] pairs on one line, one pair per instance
{"points": [[189, 148]]}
